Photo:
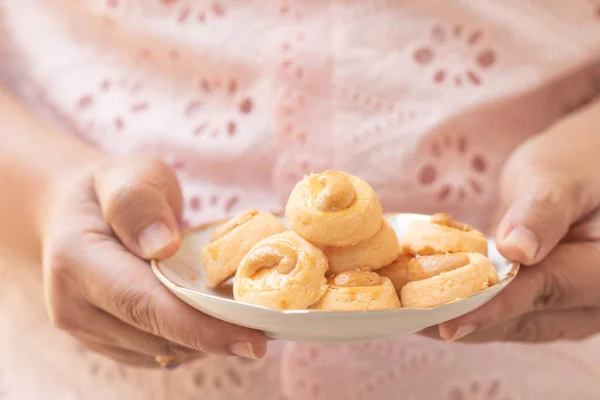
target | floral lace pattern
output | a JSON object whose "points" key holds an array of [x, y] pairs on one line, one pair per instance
{"points": [[478, 388], [230, 380], [458, 48], [424, 99], [373, 367]]}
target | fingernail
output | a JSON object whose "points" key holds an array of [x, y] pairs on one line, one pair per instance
{"points": [[463, 331], [523, 240], [154, 238], [243, 349]]}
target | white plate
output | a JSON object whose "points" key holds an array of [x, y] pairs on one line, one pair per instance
{"points": [[182, 274]]}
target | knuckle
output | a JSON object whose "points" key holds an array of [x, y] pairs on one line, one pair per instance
{"points": [[136, 186], [124, 199], [507, 308], [139, 309], [552, 292], [172, 349], [163, 178], [548, 200], [560, 195], [538, 328], [150, 162], [59, 261], [155, 171], [158, 165], [525, 330], [210, 340], [61, 273], [61, 276], [502, 308], [62, 321]]}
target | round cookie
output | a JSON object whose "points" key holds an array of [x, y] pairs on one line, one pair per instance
{"points": [[283, 271], [373, 253], [442, 235], [334, 209], [359, 290], [231, 241], [460, 283], [396, 271]]}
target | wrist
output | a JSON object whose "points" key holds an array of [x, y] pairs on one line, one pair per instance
{"points": [[35, 160]]}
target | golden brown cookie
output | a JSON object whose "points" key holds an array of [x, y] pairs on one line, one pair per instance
{"points": [[334, 209], [373, 253], [442, 235], [283, 271], [359, 290], [231, 241], [452, 284], [396, 271], [423, 267]]}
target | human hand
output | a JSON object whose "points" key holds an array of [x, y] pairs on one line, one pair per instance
{"points": [[551, 191], [105, 223]]}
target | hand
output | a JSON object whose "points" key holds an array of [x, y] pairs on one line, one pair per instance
{"points": [[551, 190], [105, 222]]}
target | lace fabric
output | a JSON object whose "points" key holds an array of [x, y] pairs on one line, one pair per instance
{"points": [[424, 99]]}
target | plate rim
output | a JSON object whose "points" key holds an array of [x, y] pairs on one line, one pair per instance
{"points": [[177, 287]]}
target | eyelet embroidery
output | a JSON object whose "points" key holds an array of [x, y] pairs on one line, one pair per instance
{"points": [[204, 203], [478, 388], [453, 171], [458, 44], [390, 363], [198, 12], [119, 100], [221, 98], [201, 199], [107, 371], [229, 376]]}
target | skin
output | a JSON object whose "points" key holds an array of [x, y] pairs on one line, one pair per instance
{"points": [[91, 221], [80, 214], [551, 197]]}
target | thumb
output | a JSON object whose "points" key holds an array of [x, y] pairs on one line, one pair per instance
{"points": [[141, 201], [545, 191], [548, 184], [536, 221]]}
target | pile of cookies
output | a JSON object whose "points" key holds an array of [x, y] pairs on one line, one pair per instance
{"points": [[340, 254]]}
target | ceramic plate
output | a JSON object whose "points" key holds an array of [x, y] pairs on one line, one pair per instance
{"points": [[182, 274]]}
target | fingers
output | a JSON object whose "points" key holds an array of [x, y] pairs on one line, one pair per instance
{"points": [[532, 226], [92, 324], [539, 217], [119, 355], [141, 200], [586, 230], [520, 297], [118, 334], [542, 327], [136, 297], [130, 357], [431, 332], [568, 278], [547, 185]]}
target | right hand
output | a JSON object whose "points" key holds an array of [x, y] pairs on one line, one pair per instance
{"points": [[105, 223]]}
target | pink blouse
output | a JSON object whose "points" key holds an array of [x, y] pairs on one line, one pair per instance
{"points": [[424, 99]]}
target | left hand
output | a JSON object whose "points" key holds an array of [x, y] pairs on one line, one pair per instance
{"points": [[551, 191]]}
